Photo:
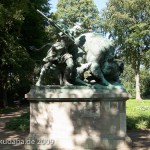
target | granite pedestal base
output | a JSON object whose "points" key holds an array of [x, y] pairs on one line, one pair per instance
{"points": [[77, 118]]}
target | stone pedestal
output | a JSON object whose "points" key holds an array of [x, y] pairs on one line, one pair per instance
{"points": [[77, 118]]}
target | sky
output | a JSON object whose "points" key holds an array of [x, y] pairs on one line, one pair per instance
{"points": [[99, 3]]}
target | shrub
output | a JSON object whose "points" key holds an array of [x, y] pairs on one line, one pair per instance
{"points": [[20, 123], [142, 124], [138, 114]]}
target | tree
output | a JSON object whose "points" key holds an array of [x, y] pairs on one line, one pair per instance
{"points": [[83, 11], [127, 22], [145, 82], [127, 78], [18, 23], [128, 81]]}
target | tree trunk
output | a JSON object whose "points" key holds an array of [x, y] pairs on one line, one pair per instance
{"points": [[3, 96], [5, 101], [138, 92]]}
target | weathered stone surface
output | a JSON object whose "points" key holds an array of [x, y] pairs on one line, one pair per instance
{"points": [[77, 120], [70, 93]]}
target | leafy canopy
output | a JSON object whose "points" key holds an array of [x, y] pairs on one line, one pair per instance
{"points": [[84, 11], [20, 27], [128, 22]]}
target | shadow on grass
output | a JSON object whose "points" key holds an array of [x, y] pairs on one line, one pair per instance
{"points": [[21, 123], [138, 122], [14, 137]]}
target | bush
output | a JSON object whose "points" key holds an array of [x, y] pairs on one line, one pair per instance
{"points": [[142, 124], [138, 114], [21, 123]]}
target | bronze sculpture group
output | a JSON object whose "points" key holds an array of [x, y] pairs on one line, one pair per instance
{"points": [[85, 59]]}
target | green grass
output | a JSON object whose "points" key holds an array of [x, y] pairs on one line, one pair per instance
{"points": [[21, 123], [138, 114]]}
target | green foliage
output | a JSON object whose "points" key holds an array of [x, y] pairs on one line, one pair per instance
{"points": [[84, 11], [21, 123], [142, 124], [145, 82], [138, 114], [128, 80], [8, 110], [127, 22], [20, 27]]}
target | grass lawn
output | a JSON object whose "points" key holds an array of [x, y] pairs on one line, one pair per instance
{"points": [[138, 114]]}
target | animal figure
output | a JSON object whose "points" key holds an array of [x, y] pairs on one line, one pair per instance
{"points": [[76, 30], [94, 53], [96, 50], [90, 51]]}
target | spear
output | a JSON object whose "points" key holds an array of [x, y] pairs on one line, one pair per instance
{"points": [[56, 25]]}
